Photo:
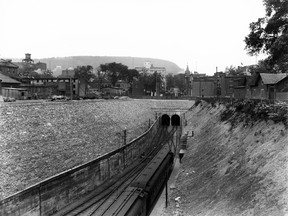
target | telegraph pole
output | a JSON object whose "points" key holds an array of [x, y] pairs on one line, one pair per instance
{"points": [[71, 89]]}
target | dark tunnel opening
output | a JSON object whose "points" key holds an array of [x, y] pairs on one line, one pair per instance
{"points": [[175, 120], [165, 120]]}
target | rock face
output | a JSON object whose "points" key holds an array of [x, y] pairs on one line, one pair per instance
{"points": [[239, 170]]}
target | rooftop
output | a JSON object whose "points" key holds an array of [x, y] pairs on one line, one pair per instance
{"points": [[7, 63], [7, 79], [272, 78]]}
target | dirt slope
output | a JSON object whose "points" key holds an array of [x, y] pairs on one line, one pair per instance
{"points": [[231, 171]]}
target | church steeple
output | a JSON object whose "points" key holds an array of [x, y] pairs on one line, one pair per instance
{"points": [[187, 71]]}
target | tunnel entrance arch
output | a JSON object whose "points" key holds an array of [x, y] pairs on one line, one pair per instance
{"points": [[175, 120], [165, 120]]}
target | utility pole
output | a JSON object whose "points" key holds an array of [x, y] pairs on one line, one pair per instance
{"points": [[71, 89], [166, 203]]}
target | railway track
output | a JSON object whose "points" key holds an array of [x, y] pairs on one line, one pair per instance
{"points": [[99, 204]]}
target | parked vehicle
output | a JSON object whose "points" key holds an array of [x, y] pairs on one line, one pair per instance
{"points": [[9, 99], [59, 98]]}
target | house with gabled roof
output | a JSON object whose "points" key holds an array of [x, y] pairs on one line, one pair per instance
{"points": [[269, 86], [11, 88], [8, 67], [7, 81]]}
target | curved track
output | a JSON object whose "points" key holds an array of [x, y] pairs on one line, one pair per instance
{"points": [[99, 204]]}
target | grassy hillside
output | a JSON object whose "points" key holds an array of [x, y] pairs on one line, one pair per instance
{"points": [[234, 165], [95, 61]]}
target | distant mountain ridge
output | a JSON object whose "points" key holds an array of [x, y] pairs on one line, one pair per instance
{"points": [[95, 61]]}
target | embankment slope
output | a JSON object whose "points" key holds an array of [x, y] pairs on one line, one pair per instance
{"points": [[231, 170], [39, 140]]}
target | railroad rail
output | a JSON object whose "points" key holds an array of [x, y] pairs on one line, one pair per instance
{"points": [[100, 204]]}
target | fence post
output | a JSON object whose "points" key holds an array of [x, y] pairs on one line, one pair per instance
{"points": [[125, 136], [108, 161], [123, 158], [40, 201]]}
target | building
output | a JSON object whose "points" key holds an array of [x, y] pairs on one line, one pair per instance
{"points": [[188, 82], [33, 68], [219, 85], [16, 93], [40, 66], [8, 67], [11, 88], [8, 82], [203, 87], [28, 59], [150, 68], [41, 88], [70, 72], [268, 86]]}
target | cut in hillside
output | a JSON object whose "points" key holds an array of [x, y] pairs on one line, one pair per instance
{"points": [[39, 140], [231, 169]]}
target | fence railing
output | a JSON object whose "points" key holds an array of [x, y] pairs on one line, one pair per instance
{"points": [[57, 192]]}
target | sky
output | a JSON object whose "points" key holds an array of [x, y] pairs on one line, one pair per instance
{"points": [[203, 34]]}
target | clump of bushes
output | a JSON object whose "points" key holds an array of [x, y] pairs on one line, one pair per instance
{"points": [[226, 114], [197, 102], [251, 110], [261, 110]]}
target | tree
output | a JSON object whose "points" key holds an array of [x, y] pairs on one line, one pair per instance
{"points": [[114, 71], [262, 67], [233, 71], [170, 81], [27, 71], [270, 35], [129, 75], [84, 73], [150, 81], [179, 80], [46, 74]]}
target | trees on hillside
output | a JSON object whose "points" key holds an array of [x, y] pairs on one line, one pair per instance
{"points": [[117, 71], [270, 35]]}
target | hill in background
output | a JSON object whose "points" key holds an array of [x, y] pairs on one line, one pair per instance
{"points": [[95, 61]]}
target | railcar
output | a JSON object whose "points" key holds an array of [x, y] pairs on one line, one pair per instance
{"points": [[140, 197]]}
